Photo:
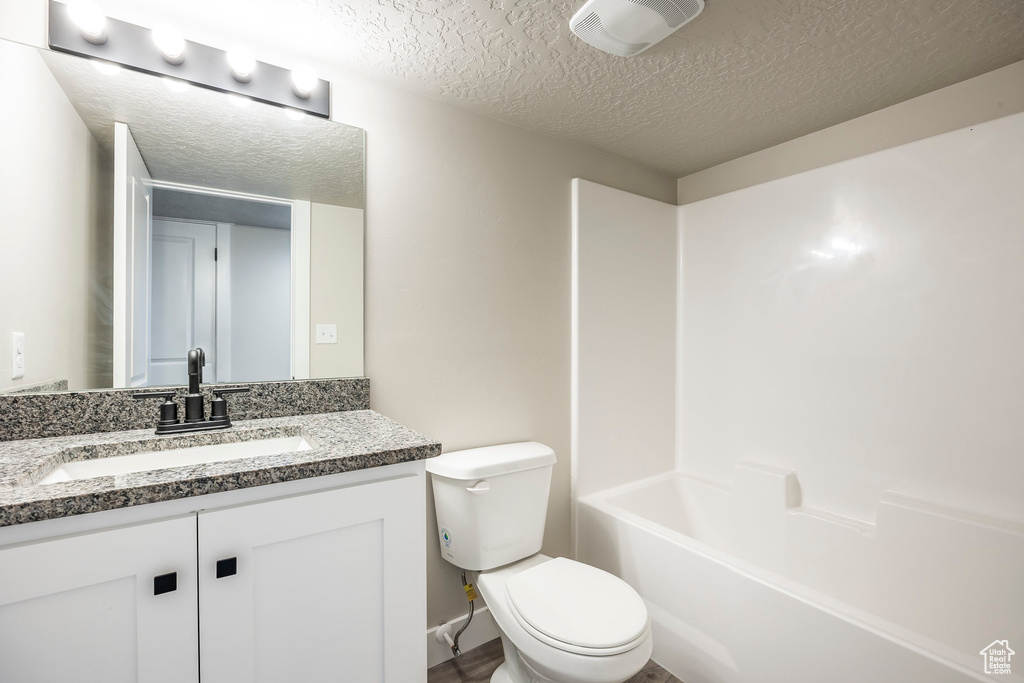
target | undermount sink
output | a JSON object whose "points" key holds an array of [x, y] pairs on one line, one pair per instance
{"points": [[174, 457]]}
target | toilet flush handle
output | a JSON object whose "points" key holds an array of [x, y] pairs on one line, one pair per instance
{"points": [[480, 487]]}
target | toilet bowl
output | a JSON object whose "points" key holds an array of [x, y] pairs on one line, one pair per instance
{"points": [[560, 621], [565, 622]]}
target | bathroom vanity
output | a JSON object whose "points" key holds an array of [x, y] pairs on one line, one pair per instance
{"points": [[285, 548]]}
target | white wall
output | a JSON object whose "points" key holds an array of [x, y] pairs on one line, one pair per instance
{"points": [[896, 367], [624, 338], [49, 190], [976, 100], [336, 289], [260, 304], [467, 265]]}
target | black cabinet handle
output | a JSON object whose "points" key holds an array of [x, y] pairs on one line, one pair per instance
{"points": [[227, 567], [165, 583]]}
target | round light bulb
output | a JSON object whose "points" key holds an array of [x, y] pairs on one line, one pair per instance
{"points": [[304, 81], [106, 68], [171, 44], [175, 84], [242, 63], [89, 19]]}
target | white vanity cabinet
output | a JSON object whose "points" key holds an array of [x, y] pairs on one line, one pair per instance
{"points": [[317, 587], [323, 582], [85, 607]]}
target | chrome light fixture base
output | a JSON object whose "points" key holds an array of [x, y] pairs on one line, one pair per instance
{"points": [[133, 47]]}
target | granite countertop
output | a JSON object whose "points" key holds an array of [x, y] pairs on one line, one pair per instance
{"points": [[341, 442]]}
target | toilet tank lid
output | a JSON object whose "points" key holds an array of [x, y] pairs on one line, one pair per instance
{"points": [[490, 461]]}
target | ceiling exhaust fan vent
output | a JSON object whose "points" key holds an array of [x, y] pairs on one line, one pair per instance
{"points": [[591, 30], [672, 12], [628, 27]]}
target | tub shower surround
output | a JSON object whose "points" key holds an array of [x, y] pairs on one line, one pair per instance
{"points": [[34, 416], [837, 493]]}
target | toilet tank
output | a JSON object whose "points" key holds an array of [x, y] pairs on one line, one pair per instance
{"points": [[491, 503]]}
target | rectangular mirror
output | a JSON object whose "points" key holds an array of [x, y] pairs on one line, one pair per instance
{"points": [[144, 216]]}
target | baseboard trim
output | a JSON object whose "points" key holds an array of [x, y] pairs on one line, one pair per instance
{"points": [[482, 630]]}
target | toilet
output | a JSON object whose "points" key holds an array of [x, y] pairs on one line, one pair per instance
{"points": [[560, 621]]}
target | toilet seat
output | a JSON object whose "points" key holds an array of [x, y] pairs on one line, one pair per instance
{"points": [[550, 659], [578, 608]]}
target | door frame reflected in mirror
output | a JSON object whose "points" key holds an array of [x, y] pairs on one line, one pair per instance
{"points": [[133, 194]]}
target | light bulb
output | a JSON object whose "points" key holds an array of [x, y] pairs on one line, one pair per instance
{"points": [[171, 44], [242, 63], [89, 19], [304, 81], [106, 68], [175, 85]]}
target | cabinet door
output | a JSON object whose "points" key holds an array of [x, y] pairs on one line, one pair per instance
{"points": [[83, 608], [320, 587]]}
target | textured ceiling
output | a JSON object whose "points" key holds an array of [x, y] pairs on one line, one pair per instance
{"points": [[219, 209], [743, 76], [199, 137]]}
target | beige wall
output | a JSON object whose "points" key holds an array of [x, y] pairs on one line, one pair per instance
{"points": [[50, 185], [336, 289], [468, 237], [468, 224], [976, 100]]}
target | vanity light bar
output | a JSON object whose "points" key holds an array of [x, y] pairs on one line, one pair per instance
{"points": [[133, 46]]}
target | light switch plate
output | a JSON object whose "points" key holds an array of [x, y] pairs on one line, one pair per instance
{"points": [[17, 355], [326, 334]]}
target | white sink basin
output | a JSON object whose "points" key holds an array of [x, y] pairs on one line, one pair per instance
{"points": [[176, 457]]}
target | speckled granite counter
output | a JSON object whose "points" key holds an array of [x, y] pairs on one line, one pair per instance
{"points": [[341, 442], [41, 415]]}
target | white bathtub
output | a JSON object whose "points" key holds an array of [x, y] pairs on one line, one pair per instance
{"points": [[746, 585]]}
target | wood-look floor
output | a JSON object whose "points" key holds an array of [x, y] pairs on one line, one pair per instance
{"points": [[476, 666]]}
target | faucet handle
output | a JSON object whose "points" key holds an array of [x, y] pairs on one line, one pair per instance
{"points": [[234, 390], [168, 409], [219, 407]]}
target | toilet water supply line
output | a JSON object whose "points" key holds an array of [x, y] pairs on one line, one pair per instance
{"points": [[444, 632]]}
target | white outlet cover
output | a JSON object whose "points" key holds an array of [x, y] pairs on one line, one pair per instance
{"points": [[17, 355], [326, 334]]}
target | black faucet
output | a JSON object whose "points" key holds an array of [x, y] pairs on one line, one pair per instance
{"points": [[195, 411]]}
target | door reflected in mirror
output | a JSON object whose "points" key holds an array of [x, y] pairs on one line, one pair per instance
{"points": [[144, 220], [218, 257]]}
